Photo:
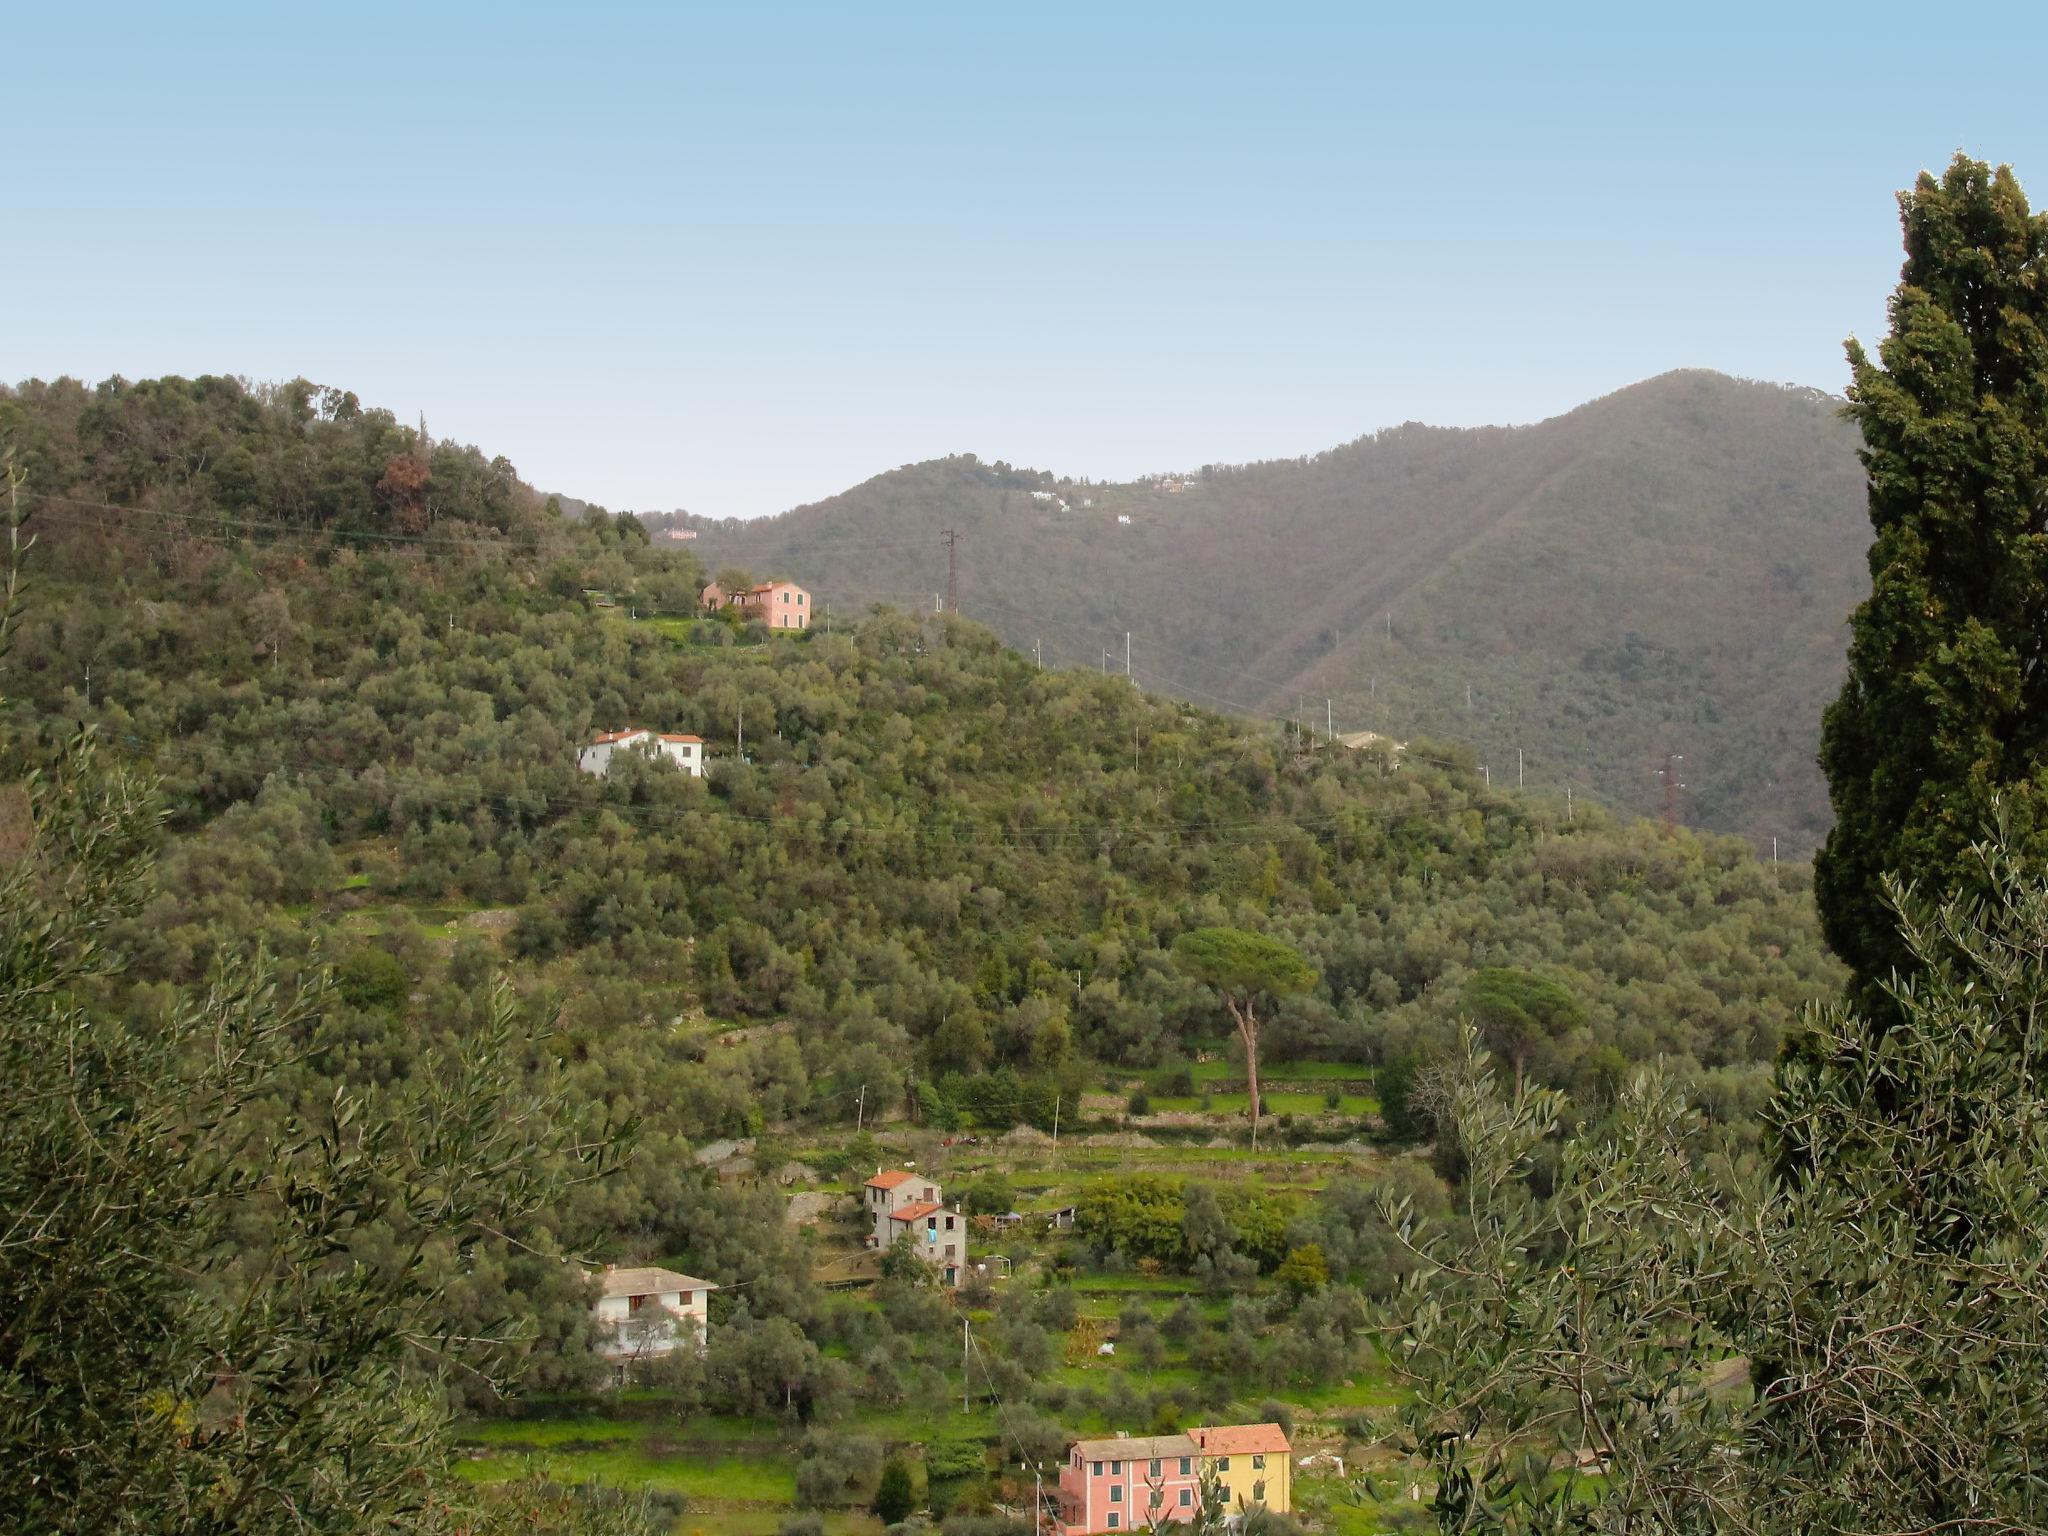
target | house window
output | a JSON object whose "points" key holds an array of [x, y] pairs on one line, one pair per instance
{"points": [[635, 1303], [1259, 1491], [683, 1298], [1116, 1490], [1258, 1463], [1155, 1466], [1187, 1466], [1158, 1498], [1223, 1464], [1187, 1498], [949, 1223], [1098, 1469], [1112, 1520], [949, 1250], [1116, 1469]]}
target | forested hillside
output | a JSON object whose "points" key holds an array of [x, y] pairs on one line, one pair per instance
{"points": [[937, 884], [1664, 571]]}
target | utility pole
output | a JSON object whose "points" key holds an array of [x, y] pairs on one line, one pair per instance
{"points": [[88, 678], [965, 1378], [1518, 767], [1468, 698], [1390, 624], [1055, 1122], [1329, 720], [1487, 774], [860, 1109], [1127, 653], [1669, 774], [1105, 662], [952, 538], [1774, 850], [1038, 653], [1567, 800]]}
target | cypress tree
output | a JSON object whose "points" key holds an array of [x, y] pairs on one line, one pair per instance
{"points": [[1946, 701]]}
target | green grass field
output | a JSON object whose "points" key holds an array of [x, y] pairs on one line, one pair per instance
{"points": [[1273, 1103], [1284, 1072]]}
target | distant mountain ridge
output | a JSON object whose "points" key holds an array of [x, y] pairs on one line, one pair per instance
{"points": [[1658, 580]]}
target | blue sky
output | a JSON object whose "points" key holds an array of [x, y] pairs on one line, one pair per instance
{"points": [[738, 258]]}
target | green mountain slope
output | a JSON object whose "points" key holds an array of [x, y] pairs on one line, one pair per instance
{"points": [[939, 887], [1663, 571]]}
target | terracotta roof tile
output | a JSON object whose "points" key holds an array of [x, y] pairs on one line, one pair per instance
{"points": [[1242, 1440], [916, 1210], [890, 1179], [1143, 1449]]}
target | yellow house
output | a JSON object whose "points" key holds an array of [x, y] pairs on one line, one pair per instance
{"points": [[1253, 1463]]}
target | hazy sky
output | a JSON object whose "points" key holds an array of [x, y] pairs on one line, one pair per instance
{"points": [[735, 258]]}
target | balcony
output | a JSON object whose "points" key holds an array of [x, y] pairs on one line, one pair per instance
{"points": [[648, 1334]]}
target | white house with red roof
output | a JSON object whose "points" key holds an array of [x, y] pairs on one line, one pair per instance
{"points": [[906, 1206], [686, 752]]}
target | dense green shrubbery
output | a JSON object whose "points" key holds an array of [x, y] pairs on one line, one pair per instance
{"points": [[937, 882]]}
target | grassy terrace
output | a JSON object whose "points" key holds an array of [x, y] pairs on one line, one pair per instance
{"points": [[738, 1476]]}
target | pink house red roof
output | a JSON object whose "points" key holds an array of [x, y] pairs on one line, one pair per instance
{"points": [[1242, 1440], [917, 1210], [890, 1179]]}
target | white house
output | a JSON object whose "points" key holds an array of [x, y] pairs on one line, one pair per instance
{"points": [[686, 752], [904, 1205], [643, 1314]]}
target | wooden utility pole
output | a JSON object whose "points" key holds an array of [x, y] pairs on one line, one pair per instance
{"points": [[952, 538]]}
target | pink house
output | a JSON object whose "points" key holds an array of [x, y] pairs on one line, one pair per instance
{"points": [[1127, 1484], [778, 604]]}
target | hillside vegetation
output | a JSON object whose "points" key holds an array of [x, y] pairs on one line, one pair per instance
{"points": [[937, 890], [1664, 571]]}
